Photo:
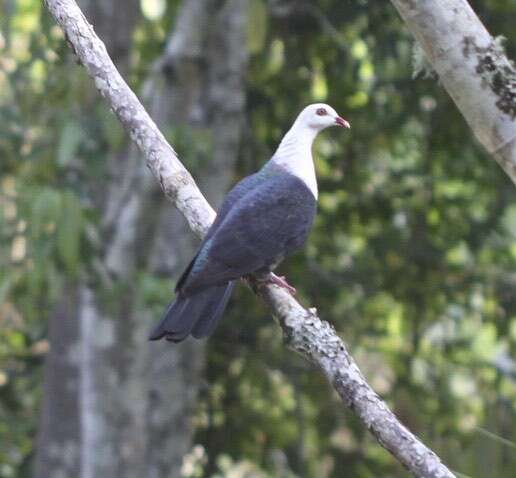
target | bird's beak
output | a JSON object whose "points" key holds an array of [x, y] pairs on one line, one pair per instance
{"points": [[342, 122]]}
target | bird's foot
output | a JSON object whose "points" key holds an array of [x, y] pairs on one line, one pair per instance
{"points": [[254, 281], [280, 281]]}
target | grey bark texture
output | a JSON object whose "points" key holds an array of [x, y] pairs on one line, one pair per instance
{"points": [[58, 442], [473, 69], [304, 332], [133, 401]]}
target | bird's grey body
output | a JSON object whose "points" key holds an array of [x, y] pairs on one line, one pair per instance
{"points": [[264, 218]]}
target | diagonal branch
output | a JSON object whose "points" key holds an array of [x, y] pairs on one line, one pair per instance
{"points": [[303, 331]]}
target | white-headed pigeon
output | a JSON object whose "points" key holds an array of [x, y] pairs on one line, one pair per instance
{"points": [[265, 217]]}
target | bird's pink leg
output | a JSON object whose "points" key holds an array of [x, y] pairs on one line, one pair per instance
{"points": [[271, 278], [281, 282]]}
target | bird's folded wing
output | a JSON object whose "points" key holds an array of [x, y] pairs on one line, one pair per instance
{"points": [[263, 226]]}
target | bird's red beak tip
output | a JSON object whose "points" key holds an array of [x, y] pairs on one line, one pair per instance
{"points": [[342, 122]]}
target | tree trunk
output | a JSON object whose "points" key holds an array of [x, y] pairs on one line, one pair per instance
{"points": [[60, 450], [135, 398], [472, 67], [203, 82], [58, 445]]}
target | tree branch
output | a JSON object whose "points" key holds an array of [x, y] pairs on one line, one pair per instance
{"points": [[473, 69], [303, 331]]}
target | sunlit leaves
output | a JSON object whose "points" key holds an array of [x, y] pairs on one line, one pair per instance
{"points": [[45, 208], [357, 100], [412, 257], [276, 56], [256, 26], [153, 9], [69, 231]]}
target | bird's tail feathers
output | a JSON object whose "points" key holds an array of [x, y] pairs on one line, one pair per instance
{"points": [[196, 314], [208, 321]]}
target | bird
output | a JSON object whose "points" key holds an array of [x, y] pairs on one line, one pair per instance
{"points": [[263, 218]]}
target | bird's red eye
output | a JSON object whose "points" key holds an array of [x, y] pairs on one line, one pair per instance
{"points": [[321, 112]]}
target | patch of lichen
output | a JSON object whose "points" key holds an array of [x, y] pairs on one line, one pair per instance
{"points": [[421, 67], [497, 72]]}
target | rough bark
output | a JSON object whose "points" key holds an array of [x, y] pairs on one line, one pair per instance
{"points": [[473, 69], [304, 332]]}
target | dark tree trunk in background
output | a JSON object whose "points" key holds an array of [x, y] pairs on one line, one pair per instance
{"points": [[204, 69], [60, 450], [114, 404], [114, 21], [58, 447]]}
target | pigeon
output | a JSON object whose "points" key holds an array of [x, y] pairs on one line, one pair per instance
{"points": [[264, 218]]}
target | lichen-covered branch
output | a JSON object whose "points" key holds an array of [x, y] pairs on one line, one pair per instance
{"points": [[473, 69], [304, 332]]}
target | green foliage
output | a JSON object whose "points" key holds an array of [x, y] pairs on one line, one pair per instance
{"points": [[43, 215], [256, 26], [412, 257]]}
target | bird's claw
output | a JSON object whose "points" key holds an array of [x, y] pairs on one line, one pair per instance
{"points": [[280, 281], [254, 281]]}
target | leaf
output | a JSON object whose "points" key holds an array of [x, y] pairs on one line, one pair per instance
{"points": [[45, 211], [113, 131], [69, 141], [319, 86], [46, 207], [256, 26], [69, 231], [36, 277], [153, 9], [509, 220], [276, 56]]}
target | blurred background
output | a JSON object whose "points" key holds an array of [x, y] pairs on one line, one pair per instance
{"points": [[412, 257]]}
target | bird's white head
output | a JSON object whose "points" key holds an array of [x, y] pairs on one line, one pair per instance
{"points": [[295, 150], [320, 116]]}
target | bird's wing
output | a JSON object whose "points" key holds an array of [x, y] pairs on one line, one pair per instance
{"points": [[262, 226], [243, 187]]}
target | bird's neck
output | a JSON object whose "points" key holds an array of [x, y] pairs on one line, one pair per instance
{"points": [[294, 154]]}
